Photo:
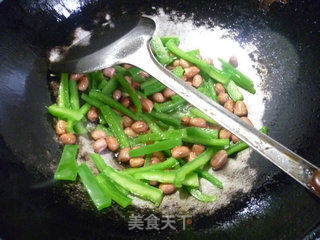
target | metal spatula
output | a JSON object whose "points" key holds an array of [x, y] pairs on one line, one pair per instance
{"points": [[128, 42]]}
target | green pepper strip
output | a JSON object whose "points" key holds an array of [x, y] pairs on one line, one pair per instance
{"points": [[189, 167], [113, 191], [152, 125], [233, 91], [148, 83], [67, 168], [165, 39], [109, 116], [65, 113], [63, 98], [199, 195], [135, 186], [157, 87], [112, 103], [169, 105], [166, 118], [135, 74], [133, 95], [198, 113], [170, 162], [147, 160], [79, 127], [159, 50], [111, 86], [241, 145], [238, 77], [100, 198], [85, 108], [209, 177], [211, 92], [159, 146], [202, 65], [70, 125], [167, 177], [159, 123], [74, 95], [178, 71], [179, 133]]}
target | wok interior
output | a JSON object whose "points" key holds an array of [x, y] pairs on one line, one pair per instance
{"points": [[287, 42]]}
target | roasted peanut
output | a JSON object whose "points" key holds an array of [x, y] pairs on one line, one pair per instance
{"points": [[116, 95], [234, 138], [126, 65], [183, 63], [168, 93], [127, 122], [129, 132], [197, 81], [233, 61], [108, 72], [197, 149], [167, 188], [247, 120], [125, 101], [191, 156], [92, 114], [128, 79], [158, 97], [219, 88], [124, 155], [176, 63], [198, 122], [153, 183], [154, 160], [159, 155], [97, 134], [229, 105], [147, 105], [139, 127], [112, 143], [224, 134], [99, 145], [61, 127], [75, 76], [180, 152], [191, 71], [83, 83], [135, 85], [209, 61], [68, 138], [219, 160], [223, 98], [144, 74], [136, 162], [185, 121], [240, 109]]}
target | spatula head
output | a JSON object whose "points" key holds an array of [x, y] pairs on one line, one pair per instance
{"points": [[106, 46]]}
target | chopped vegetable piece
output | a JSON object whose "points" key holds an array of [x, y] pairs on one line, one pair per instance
{"points": [[148, 83], [100, 198], [120, 70], [191, 166], [202, 65], [166, 118], [135, 186], [199, 195], [65, 113], [194, 52], [79, 127], [85, 108], [206, 133], [63, 98], [208, 142], [111, 86], [113, 191], [154, 88], [169, 105], [167, 177], [135, 74], [147, 160], [170, 162], [112, 103], [74, 95], [178, 71], [67, 168], [102, 84], [159, 123], [159, 50], [98, 161], [115, 126], [164, 40], [241, 145], [159, 146], [209, 177], [198, 113], [238, 77], [211, 92], [233, 91], [179, 133], [133, 95], [69, 127]]}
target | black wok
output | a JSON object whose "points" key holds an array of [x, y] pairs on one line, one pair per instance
{"points": [[31, 207]]}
